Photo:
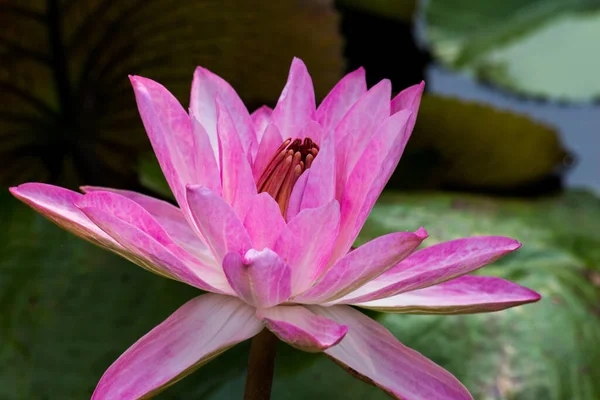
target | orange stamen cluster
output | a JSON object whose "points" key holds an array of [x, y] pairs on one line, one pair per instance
{"points": [[291, 159]]}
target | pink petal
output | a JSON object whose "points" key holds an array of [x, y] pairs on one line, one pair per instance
{"points": [[138, 232], [463, 295], [361, 265], [58, 205], [218, 223], [261, 118], [297, 195], [251, 153], [170, 218], [236, 174], [320, 183], [311, 130], [306, 243], [358, 126], [341, 98], [432, 265], [263, 221], [260, 278], [409, 99], [206, 87], [208, 173], [269, 144], [145, 251], [296, 105], [372, 353], [170, 132], [369, 177], [302, 329], [196, 333]]}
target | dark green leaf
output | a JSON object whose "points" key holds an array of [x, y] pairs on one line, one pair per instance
{"points": [[69, 309], [462, 144], [67, 111]]}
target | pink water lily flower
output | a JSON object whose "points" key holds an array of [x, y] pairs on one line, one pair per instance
{"points": [[270, 204]]}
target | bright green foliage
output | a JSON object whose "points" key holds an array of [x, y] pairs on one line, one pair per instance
{"points": [[546, 350]]}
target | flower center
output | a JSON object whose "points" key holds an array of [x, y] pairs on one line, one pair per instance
{"points": [[290, 160]]}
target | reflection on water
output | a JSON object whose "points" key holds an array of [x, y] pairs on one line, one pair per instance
{"points": [[578, 125]]}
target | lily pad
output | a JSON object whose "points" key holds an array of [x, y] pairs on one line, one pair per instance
{"points": [[544, 350], [539, 48], [460, 143], [67, 110], [69, 309]]}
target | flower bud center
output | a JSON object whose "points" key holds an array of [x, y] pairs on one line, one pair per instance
{"points": [[290, 160]]}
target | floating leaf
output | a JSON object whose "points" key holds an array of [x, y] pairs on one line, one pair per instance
{"points": [[514, 44], [67, 111], [544, 350], [465, 144]]}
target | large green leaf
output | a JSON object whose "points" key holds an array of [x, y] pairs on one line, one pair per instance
{"points": [[540, 48], [569, 222], [69, 308], [67, 111], [458, 143], [545, 350]]}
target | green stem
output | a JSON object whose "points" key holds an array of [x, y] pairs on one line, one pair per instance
{"points": [[261, 366]]}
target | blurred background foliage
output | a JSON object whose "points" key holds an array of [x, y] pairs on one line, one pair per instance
{"points": [[68, 116], [67, 112], [532, 47]]}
